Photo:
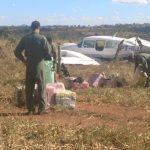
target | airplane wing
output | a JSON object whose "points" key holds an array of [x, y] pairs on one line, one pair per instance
{"points": [[70, 57]]}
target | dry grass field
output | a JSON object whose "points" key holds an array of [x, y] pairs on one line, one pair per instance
{"points": [[104, 118]]}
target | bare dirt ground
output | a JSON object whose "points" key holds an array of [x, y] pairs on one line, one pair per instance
{"points": [[87, 115]]}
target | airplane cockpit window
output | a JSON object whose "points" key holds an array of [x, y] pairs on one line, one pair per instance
{"points": [[80, 43], [110, 44], [89, 44], [100, 45]]}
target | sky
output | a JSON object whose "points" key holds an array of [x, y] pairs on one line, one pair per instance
{"points": [[74, 12]]}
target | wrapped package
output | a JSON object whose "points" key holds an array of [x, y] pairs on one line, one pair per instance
{"points": [[96, 80], [83, 85], [53, 88], [66, 98]]}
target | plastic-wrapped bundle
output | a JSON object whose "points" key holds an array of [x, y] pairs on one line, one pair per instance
{"points": [[76, 83], [83, 85], [52, 89], [66, 98], [96, 80]]}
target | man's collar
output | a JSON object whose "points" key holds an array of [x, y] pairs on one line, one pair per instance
{"points": [[34, 32]]}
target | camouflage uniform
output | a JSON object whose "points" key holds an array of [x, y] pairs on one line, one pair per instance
{"points": [[36, 48], [142, 62], [143, 59]]}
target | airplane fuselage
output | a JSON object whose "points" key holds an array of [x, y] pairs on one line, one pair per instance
{"points": [[103, 46]]}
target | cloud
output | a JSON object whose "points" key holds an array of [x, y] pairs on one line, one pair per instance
{"points": [[133, 1], [62, 19], [72, 20], [99, 18], [2, 17], [115, 17]]}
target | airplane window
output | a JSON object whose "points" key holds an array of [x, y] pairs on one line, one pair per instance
{"points": [[100, 45], [110, 44], [80, 43], [89, 44]]}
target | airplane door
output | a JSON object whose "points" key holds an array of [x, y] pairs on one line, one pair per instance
{"points": [[107, 49]]}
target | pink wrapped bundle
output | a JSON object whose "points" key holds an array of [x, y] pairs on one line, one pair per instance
{"points": [[85, 85], [53, 88], [96, 80], [50, 91], [57, 86], [75, 85]]}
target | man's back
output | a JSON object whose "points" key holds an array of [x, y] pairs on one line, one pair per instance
{"points": [[36, 48]]}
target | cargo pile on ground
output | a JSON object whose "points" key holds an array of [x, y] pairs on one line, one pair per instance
{"points": [[96, 81]]}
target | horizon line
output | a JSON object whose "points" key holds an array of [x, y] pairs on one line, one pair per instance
{"points": [[26, 25]]}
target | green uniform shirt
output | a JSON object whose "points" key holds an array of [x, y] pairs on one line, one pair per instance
{"points": [[36, 48], [143, 61]]}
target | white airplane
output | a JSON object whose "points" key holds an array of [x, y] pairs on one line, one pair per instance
{"points": [[108, 46]]}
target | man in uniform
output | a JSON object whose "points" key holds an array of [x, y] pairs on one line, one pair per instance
{"points": [[36, 48], [142, 63]]}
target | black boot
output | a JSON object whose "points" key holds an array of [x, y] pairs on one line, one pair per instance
{"points": [[30, 112], [42, 112]]}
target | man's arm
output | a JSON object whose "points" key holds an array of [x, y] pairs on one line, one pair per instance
{"points": [[53, 52], [19, 49], [47, 49]]}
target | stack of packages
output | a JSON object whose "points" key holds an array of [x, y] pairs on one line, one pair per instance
{"points": [[58, 95], [95, 80]]}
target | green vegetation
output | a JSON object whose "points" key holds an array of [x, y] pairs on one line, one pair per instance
{"points": [[74, 33]]}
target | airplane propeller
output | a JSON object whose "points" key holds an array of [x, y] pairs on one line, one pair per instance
{"points": [[120, 47], [139, 42]]}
